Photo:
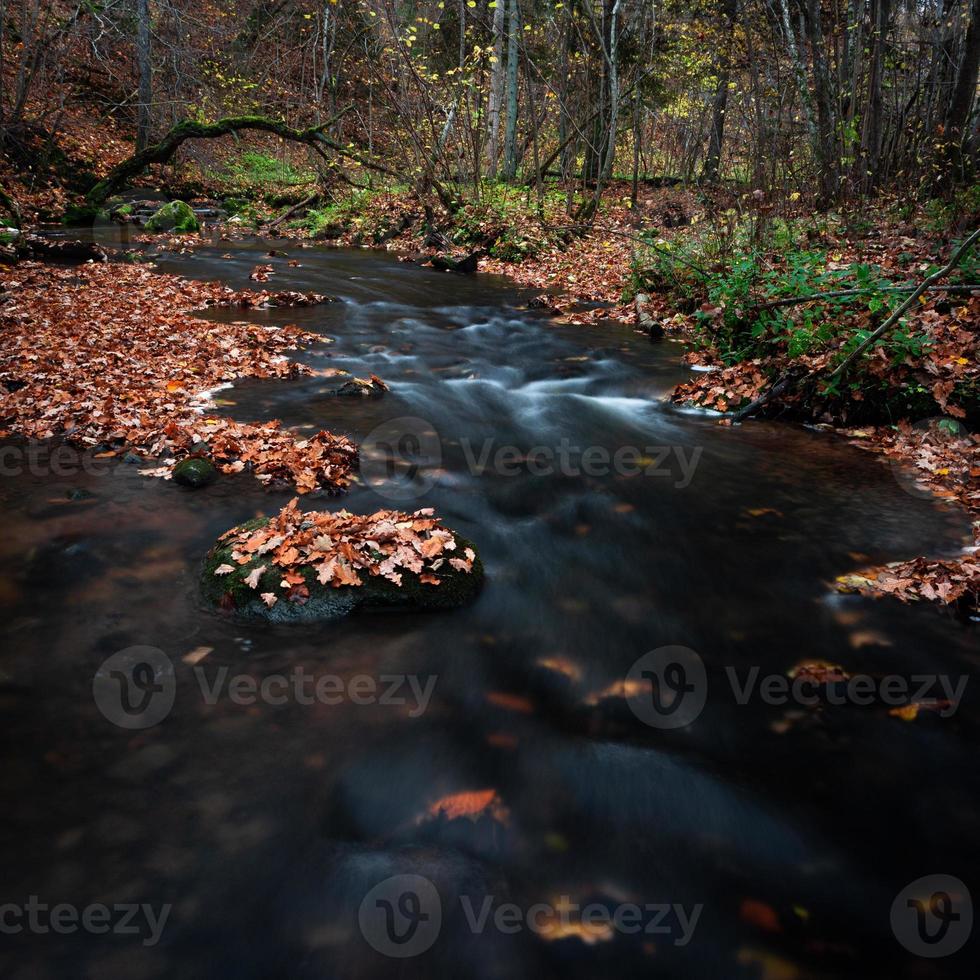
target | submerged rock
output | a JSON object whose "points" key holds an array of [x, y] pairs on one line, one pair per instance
{"points": [[468, 264], [261, 589], [370, 388], [175, 216], [195, 472]]}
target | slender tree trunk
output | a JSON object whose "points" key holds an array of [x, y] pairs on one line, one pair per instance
{"points": [[144, 123], [513, 56], [496, 89], [609, 158], [825, 153], [881, 12], [712, 160], [327, 37], [964, 90], [799, 71]]}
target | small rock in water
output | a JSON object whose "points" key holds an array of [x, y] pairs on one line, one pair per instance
{"points": [[372, 388], [195, 472]]}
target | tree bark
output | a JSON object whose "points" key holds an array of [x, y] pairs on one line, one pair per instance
{"points": [[144, 123], [964, 90], [513, 55], [871, 149], [712, 160], [825, 152], [496, 90]]}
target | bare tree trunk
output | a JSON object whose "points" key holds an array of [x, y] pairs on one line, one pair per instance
{"points": [[496, 89], [799, 71], [712, 160], [144, 123], [964, 91], [881, 11], [610, 155], [825, 152], [328, 34], [513, 56]]}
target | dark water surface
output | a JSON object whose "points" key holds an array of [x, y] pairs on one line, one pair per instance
{"points": [[792, 828]]}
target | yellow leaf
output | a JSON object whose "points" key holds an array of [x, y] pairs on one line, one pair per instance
{"points": [[907, 712]]}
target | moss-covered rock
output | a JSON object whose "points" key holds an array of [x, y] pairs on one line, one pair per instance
{"points": [[195, 472], [175, 216], [233, 595]]}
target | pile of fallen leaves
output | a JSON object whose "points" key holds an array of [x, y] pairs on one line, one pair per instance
{"points": [[341, 549], [949, 581], [107, 357], [723, 388], [945, 459]]}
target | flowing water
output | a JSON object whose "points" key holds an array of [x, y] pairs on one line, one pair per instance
{"points": [[775, 835]]}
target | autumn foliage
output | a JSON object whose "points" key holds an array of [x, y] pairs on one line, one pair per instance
{"points": [[108, 357], [340, 549]]}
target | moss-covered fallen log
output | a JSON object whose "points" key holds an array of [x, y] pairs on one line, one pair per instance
{"points": [[164, 151]]}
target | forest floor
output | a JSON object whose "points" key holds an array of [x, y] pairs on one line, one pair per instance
{"points": [[749, 284]]}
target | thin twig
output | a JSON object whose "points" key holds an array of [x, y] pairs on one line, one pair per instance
{"points": [[841, 293], [784, 381], [894, 318]]}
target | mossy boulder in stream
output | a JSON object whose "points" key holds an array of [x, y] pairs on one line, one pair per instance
{"points": [[286, 583], [195, 472], [175, 216]]}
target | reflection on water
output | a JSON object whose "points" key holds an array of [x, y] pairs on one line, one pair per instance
{"points": [[526, 778]]}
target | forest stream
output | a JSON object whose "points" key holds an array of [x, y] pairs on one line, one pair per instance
{"points": [[495, 751]]}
